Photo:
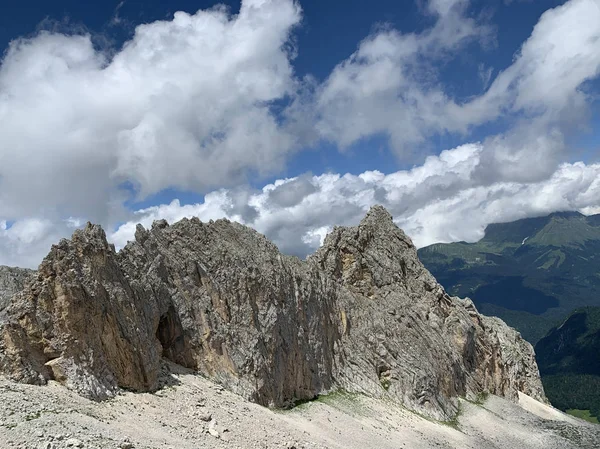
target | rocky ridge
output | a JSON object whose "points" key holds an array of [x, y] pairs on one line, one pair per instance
{"points": [[361, 315]]}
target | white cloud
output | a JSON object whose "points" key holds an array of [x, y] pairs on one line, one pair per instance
{"points": [[184, 104], [27, 241], [116, 18], [187, 104], [560, 55], [485, 74], [387, 87], [439, 201], [465, 215], [548, 72]]}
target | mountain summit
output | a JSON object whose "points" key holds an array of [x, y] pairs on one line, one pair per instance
{"points": [[361, 315], [529, 272]]}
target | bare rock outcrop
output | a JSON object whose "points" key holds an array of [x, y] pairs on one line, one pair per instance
{"points": [[362, 315], [12, 280], [405, 333]]}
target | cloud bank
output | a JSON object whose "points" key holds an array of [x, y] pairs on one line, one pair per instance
{"points": [[184, 104], [204, 102], [434, 202]]}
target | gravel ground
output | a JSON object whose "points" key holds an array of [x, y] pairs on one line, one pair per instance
{"points": [[190, 412]]}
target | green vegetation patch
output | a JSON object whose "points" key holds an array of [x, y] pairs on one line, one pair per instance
{"points": [[574, 392], [529, 272], [583, 414]]}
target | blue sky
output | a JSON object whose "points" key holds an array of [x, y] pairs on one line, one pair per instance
{"points": [[326, 36], [277, 114]]}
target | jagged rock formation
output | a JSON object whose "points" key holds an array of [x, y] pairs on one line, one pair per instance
{"points": [[362, 314], [12, 280]]}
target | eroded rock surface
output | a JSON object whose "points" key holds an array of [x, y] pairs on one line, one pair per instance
{"points": [[12, 280], [362, 315]]}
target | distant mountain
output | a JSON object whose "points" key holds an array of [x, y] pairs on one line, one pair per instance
{"points": [[531, 272], [569, 361], [574, 346]]}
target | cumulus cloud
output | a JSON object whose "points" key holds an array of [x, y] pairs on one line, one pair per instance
{"points": [[184, 104], [439, 201], [25, 242], [385, 88], [545, 88], [388, 85], [191, 103], [548, 72]]}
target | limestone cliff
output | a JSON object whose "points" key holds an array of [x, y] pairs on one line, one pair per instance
{"points": [[362, 314], [12, 280]]}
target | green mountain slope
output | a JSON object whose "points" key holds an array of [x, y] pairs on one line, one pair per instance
{"points": [[530, 272], [569, 362]]}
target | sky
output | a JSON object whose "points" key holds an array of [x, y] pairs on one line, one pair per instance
{"points": [[292, 117]]}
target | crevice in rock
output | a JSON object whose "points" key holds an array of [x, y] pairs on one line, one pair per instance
{"points": [[175, 345], [384, 373]]}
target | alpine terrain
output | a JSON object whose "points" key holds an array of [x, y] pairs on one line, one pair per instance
{"points": [[361, 329], [569, 361], [531, 273]]}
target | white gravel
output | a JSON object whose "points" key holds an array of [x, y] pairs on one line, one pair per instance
{"points": [[193, 413]]}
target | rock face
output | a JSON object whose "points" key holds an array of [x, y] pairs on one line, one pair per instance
{"points": [[12, 280], [362, 315]]}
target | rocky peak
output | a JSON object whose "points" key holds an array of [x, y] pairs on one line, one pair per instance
{"points": [[78, 322], [360, 315], [371, 255]]}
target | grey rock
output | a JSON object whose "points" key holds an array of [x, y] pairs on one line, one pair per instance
{"points": [[361, 315], [403, 335], [80, 323], [47, 445], [207, 417], [212, 429], [12, 280]]}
